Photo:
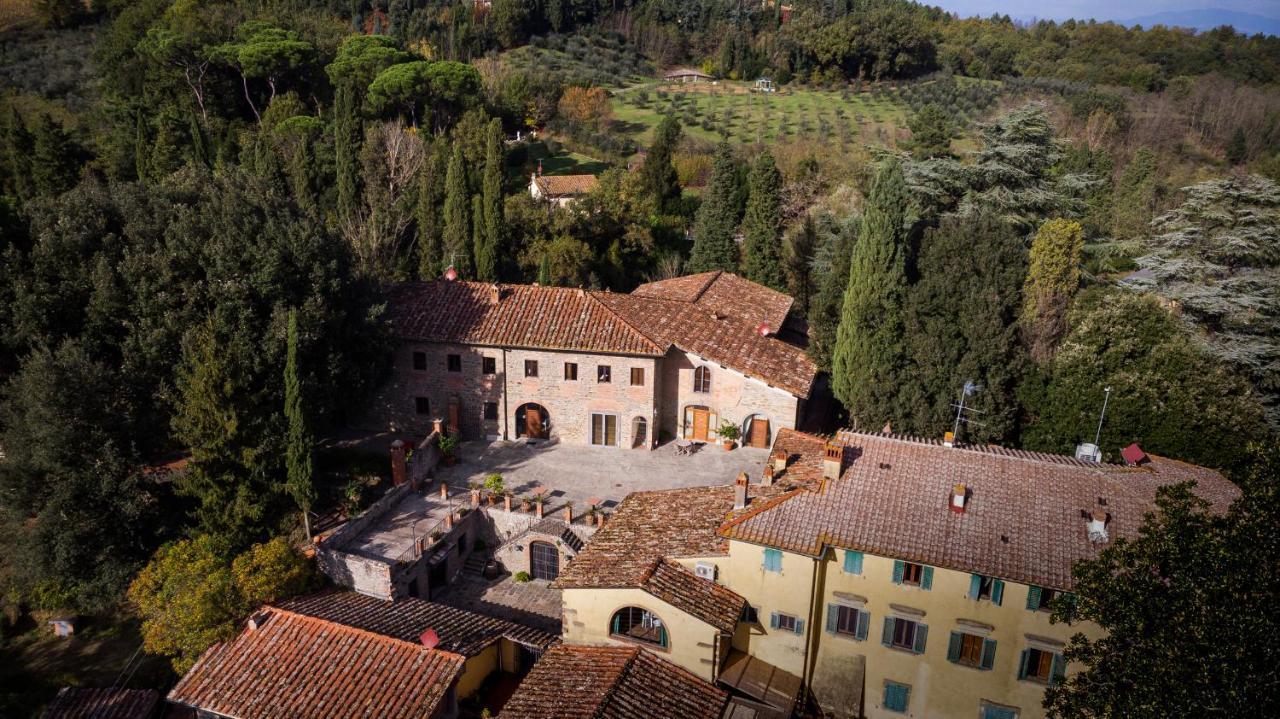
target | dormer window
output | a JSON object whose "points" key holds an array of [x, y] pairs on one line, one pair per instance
{"points": [[702, 379]]}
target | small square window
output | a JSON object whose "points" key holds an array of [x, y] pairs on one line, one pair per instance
{"points": [[489, 365], [531, 368], [637, 376], [1038, 665], [773, 560], [419, 361], [422, 405], [604, 374], [571, 371], [490, 410], [896, 696], [787, 622], [911, 574], [455, 363]]}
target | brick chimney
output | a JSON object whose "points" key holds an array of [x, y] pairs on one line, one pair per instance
{"points": [[959, 498], [399, 468], [495, 292], [767, 476], [832, 460], [779, 459], [740, 491]]}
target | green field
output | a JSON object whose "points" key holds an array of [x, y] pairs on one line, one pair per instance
{"points": [[580, 60], [731, 110]]}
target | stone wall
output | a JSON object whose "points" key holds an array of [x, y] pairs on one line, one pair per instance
{"points": [[733, 397], [511, 532]]}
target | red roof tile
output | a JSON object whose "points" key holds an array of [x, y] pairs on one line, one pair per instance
{"points": [[299, 667], [460, 631], [726, 292], [76, 703], [703, 599], [581, 682], [565, 185], [1022, 521]]}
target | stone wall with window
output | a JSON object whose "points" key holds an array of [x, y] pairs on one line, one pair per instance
{"points": [[729, 396]]}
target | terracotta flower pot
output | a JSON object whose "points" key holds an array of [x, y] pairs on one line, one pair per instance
{"points": [[728, 445]]}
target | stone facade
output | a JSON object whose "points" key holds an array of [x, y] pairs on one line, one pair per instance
{"points": [[733, 397]]}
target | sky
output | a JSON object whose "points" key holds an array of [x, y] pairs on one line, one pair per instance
{"points": [[1118, 10]]}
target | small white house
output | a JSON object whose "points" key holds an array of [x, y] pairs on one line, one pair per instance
{"points": [[561, 190]]}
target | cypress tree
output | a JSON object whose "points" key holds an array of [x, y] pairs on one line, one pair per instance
{"points": [[799, 260], [346, 148], [457, 225], [486, 268], [868, 356], [298, 443], [658, 175], [717, 218], [762, 225], [1052, 280], [485, 260], [426, 211], [53, 163]]}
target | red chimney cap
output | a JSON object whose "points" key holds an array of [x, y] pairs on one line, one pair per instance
{"points": [[1133, 454], [763, 329], [429, 639], [451, 274]]}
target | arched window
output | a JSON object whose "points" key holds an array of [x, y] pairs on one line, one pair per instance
{"points": [[702, 379], [639, 432], [640, 625]]}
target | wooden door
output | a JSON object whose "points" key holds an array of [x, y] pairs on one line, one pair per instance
{"points": [[701, 424], [533, 423], [758, 436]]}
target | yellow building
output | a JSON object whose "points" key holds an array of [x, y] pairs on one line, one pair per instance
{"points": [[880, 576]]}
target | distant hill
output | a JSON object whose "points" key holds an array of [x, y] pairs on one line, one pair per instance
{"points": [[1245, 22]]}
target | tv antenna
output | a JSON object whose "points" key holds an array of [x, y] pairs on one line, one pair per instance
{"points": [[970, 388], [1105, 399]]}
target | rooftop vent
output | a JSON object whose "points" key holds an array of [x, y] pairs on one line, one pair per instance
{"points": [[1098, 527], [959, 498], [949, 439], [259, 619], [429, 639], [740, 491], [1088, 452], [1133, 455]]}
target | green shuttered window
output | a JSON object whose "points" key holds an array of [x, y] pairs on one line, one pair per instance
{"points": [[773, 560], [852, 562], [896, 696], [971, 650]]}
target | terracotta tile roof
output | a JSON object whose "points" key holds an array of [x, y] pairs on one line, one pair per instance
{"points": [[578, 320], [726, 292], [720, 338], [563, 185], [460, 631], [77, 703], [526, 316], [714, 604], [582, 682], [1022, 521], [300, 667]]}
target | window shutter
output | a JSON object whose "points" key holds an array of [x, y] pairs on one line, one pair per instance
{"points": [[1059, 669], [997, 592], [1022, 663], [833, 617], [975, 585], [617, 619], [887, 638], [864, 621], [922, 632], [898, 567], [926, 578], [799, 626], [1033, 599], [853, 562], [988, 653], [953, 647], [773, 620]]}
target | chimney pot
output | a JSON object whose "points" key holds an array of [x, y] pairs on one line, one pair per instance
{"points": [[768, 475], [832, 460], [949, 439], [444, 491], [399, 466], [259, 619], [959, 498], [740, 491], [779, 461]]}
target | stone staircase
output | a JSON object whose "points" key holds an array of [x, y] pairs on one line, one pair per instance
{"points": [[475, 563]]}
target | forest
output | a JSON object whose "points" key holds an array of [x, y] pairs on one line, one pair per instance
{"points": [[203, 203]]}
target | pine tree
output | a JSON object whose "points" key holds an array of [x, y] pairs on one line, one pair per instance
{"points": [[298, 442], [485, 260], [457, 224], [346, 148], [961, 326], [1135, 197], [658, 175], [1052, 280], [717, 218], [18, 148], [762, 225], [800, 247], [54, 158], [868, 356], [931, 132], [486, 267]]}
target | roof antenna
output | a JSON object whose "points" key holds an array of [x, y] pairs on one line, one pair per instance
{"points": [[1092, 452], [970, 387]]}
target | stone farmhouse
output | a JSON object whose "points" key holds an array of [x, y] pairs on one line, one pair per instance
{"points": [[561, 190], [879, 575], [673, 359]]}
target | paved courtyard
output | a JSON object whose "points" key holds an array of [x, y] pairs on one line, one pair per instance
{"points": [[576, 472]]}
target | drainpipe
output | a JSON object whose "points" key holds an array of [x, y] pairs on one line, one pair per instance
{"points": [[808, 637], [505, 409]]}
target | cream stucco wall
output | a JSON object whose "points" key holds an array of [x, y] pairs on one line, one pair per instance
{"points": [[587, 620], [733, 396], [477, 669], [788, 591]]}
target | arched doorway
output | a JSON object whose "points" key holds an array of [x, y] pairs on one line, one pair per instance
{"points": [[639, 432], [544, 561], [533, 421], [756, 431]]}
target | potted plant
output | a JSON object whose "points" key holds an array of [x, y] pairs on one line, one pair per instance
{"points": [[526, 503], [448, 445], [494, 486], [728, 433]]}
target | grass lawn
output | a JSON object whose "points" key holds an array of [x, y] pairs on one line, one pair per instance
{"points": [[709, 111], [34, 664], [561, 162]]}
